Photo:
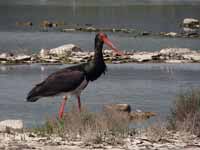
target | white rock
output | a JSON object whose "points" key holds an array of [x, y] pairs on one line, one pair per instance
{"points": [[22, 57], [175, 61], [5, 56], [108, 51], [143, 56], [44, 53], [13, 124], [192, 56], [175, 51], [75, 60], [188, 21], [65, 49], [186, 29], [171, 34], [69, 30]]}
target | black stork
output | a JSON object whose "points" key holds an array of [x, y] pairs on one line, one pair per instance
{"points": [[72, 80]]}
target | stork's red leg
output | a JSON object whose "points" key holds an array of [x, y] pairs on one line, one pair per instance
{"points": [[62, 107], [79, 103]]}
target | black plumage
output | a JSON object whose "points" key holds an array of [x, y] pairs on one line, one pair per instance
{"points": [[72, 80], [68, 79]]}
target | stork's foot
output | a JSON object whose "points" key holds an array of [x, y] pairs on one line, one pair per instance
{"points": [[62, 107]]}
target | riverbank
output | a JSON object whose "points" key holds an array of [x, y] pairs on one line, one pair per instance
{"points": [[168, 141]]}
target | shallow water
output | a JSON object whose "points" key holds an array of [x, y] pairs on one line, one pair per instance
{"points": [[152, 16], [148, 87], [155, 18], [32, 42]]}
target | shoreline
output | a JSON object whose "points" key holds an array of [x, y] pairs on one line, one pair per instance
{"points": [[143, 139], [72, 54]]}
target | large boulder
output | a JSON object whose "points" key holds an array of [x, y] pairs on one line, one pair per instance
{"points": [[191, 23], [11, 124], [65, 50]]}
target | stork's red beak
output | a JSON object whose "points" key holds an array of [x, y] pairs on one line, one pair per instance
{"points": [[109, 43]]}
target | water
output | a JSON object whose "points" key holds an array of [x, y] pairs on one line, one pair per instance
{"points": [[155, 18], [148, 87], [32, 42], [150, 17]]}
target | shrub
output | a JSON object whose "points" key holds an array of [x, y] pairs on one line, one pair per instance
{"points": [[185, 113], [93, 127]]}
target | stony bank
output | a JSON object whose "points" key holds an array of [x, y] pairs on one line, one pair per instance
{"points": [[73, 54]]}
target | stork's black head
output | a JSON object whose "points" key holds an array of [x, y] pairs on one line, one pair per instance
{"points": [[102, 38]]}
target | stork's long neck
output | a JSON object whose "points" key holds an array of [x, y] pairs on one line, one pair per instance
{"points": [[95, 68], [98, 55]]}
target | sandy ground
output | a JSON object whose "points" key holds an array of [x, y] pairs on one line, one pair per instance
{"points": [[169, 141]]}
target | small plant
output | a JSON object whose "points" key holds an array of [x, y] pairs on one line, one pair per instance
{"points": [[156, 132], [185, 115], [93, 127]]}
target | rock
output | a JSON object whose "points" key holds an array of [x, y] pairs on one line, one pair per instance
{"points": [[124, 30], [172, 34], [141, 115], [143, 56], [191, 22], [22, 57], [118, 107], [65, 50], [44, 53], [175, 61], [108, 51], [91, 29], [87, 29], [46, 24], [195, 57], [69, 30], [174, 51], [186, 29], [145, 33], [6, 57], [12, 124], [28, 23], [192, 34]]}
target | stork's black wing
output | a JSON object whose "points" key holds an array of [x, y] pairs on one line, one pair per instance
{"points": [[65, 80]]}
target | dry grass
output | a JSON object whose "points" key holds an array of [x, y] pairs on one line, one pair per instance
{"points": [[107, 126], [185, 115], [157, 131]]}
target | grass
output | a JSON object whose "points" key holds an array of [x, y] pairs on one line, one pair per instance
{"points": [[185, 115], [107, 126], [112, 127]]}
